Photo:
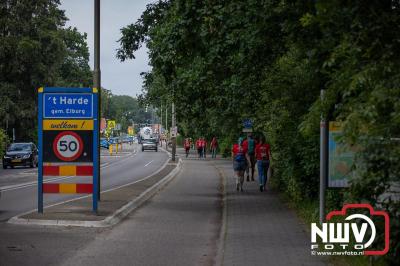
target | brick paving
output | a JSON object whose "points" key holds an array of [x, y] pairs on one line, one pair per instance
{"points": [[260, 229]]}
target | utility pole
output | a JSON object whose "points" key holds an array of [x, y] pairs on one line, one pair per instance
{"points": [[323, 162], [173, 132], [166, 126], [97, 80]]}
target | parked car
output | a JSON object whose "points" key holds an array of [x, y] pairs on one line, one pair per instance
{"points": [[104, 143], [115, 140], [149, 144], [21, 154]]}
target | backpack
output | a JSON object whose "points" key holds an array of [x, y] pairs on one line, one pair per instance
{"points": [[239, 156], [250, 146]]}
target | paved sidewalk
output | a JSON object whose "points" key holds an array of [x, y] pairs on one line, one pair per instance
{"points": [[260, 229], [178, 226]]}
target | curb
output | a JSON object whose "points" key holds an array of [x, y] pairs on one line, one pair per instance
{"points": [[113, 219], [220, 258]]}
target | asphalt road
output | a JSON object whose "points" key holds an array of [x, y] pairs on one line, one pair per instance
{"points": [[19, 185]]}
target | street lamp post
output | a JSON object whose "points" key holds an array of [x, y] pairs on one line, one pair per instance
{"points": [[323, 162], [97, 79], [173, 132]]}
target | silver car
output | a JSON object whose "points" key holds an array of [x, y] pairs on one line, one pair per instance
{"points": [[149, 144]]}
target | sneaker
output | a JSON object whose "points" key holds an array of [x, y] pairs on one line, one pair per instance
{"points": [[237, 187], [248, 178], [261, 188], [241, 189]]}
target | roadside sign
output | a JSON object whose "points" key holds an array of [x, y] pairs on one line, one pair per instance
{"points": [[174, 132], [340, 158], [65, 124], [117, 127], [68, 140], [55, 151], [68, 146], [67, 105], [130, 131], [111, 124], [247, 123], [103, 125]]}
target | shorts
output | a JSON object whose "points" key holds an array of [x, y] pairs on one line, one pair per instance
{"points": [[239, 166]]}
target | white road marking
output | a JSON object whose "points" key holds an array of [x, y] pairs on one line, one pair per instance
{"points": [[107, 190], [32, 184], [148, 163]]}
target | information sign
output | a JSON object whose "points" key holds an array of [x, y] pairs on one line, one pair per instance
{"points": [[67, 105], [340, 158], [68, 140]]}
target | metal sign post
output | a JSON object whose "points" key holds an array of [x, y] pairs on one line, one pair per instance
{"points": [[68, 140], [323, 163]]}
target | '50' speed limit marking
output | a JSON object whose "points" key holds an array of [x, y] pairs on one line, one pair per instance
{"points": [[68, 146]]}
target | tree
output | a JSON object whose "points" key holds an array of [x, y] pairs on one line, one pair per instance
{"points": [[223, 61]]}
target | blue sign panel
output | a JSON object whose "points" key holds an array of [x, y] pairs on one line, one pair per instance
{"points": [[247, 123], [67, 105], [68, 145]]}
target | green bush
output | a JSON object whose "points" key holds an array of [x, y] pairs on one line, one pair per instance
{"points": [[3, 142], [225, 147]]}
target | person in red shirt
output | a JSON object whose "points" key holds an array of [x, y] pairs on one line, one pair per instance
{"points": [[214, 146], [263, 156], [239, 163], [198, 147], [204, 146], [186, 145], [250, 145]]}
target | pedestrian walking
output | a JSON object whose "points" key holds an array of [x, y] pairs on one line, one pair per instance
{"points": [[214, 146], [199, 148], [186, 145], [204, 146], [250, 145], [263, 155], [239, 163]]}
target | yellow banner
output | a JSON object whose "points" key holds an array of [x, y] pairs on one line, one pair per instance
{"points": [[67, 124]]}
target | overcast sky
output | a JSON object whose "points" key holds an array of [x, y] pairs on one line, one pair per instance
{"points": [[119, 77]]}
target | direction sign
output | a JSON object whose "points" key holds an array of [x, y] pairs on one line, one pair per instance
{"points": [[67, 105], [68, 146], [247, 123]]}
